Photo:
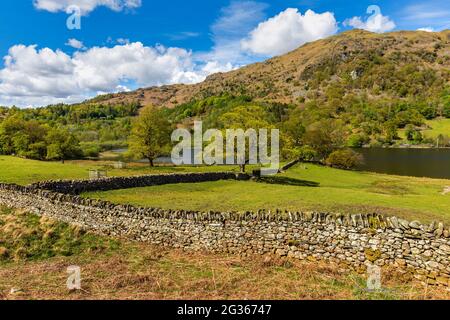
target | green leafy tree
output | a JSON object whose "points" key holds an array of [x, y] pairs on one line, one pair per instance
{"points": [[324, 137], [20, 142], [409, 132], [245, 118], [23, 138], [305, 154], [357, 140], [391, 132], [417, 136], [8, 129], [344, 159], [294, 128], [62, 145], [150, 134]]}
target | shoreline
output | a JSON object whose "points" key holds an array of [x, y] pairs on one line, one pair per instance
{"points": [[425, 147]]}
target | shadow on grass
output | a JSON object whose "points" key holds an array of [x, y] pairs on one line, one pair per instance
{"points": [[288, 181]]}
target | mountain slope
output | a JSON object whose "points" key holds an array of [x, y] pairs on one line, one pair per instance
{"points": [[378, 64]]}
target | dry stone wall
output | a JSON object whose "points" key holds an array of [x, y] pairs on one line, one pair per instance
{"points": [[353, 240], [117, 183]]}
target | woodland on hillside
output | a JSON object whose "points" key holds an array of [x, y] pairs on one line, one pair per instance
{"points": [[352, 90]]}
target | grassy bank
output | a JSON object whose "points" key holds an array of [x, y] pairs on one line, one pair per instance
{"points": [[23, 171], [304, 187], [438, 127], [112, 269]]}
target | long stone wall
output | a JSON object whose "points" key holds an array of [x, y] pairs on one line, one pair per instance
{"points": [[116, 183], [354, 240]]}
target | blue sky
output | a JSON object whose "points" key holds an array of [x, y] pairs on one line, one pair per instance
{"points": [[125, 44]]}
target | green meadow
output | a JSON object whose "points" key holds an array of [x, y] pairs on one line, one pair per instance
{"points": [[24, 171], [303, 187], [438, 127]]}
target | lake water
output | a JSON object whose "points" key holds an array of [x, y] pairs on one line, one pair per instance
{"points": [[432, 163]]}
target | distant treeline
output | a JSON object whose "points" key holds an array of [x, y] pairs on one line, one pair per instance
{"points": [[312, 129], [65, 131]]}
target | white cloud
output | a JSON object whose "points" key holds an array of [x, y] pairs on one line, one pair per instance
{"points": [[435, 15], [289, 30], [215, 67], [426, 11], [85, 6], [123, 41], [377, 22], [234, 23], [121, 88], [427, 29], [36, 77], [183, 35], [39, 77], [76, 44]]}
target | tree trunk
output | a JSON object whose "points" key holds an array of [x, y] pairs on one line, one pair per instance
{"points": [[242, 166], [152, 164]]}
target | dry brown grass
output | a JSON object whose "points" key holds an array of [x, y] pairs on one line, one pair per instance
{"points": [[268, 80], [141, 271], [113, 269]]}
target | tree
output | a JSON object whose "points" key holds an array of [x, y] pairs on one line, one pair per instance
{"points": [[324, 137], [304, 153], [245, 118], [413, 134], [62, 145], [357, 140], [417, 136], [344, 159], [11, 126], [294, 129], [391, 132], [23, 138], [409, 132], [150, 134]]}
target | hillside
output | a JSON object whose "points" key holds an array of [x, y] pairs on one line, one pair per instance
{"points": [[396, 65], [354, 89]]}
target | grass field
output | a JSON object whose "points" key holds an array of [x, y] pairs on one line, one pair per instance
{"points": [[23, 171], [36, 252], [441, 126], [304, 187], [437, 127]]}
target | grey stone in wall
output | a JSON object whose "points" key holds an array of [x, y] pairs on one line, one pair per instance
{"points": [[117, 183], [354, 240]]}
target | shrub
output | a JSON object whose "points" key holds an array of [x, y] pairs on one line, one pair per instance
{"points": [[357, 140], [344, 159], [409, 132], [413, 134], [91, 151], [417, 136], [305, 153]]}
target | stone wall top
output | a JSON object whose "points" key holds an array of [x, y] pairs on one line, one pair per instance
{"points": [[354, 240], [373, 221], [117, 183]]}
